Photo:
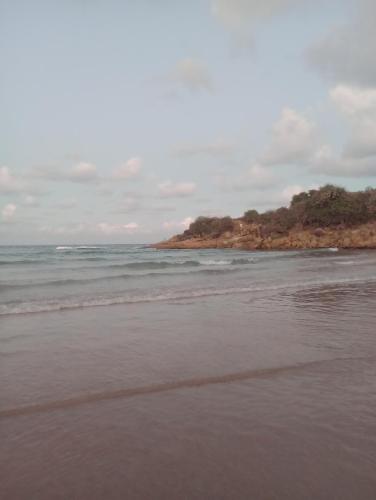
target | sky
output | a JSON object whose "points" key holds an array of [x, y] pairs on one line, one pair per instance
{"points": [[124, 120]]}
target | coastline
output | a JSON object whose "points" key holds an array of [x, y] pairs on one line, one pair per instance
{"points": [[250, 237]]}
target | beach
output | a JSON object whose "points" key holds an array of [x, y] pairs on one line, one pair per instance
{"points": [[136, 373]]}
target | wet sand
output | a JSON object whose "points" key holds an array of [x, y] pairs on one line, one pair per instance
{"points": [[268, 396]]}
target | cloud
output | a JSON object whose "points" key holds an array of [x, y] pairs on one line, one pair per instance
{"points": [[8, 212], [80, 228], [358, 106], [108, 228], [362, 143], [217, 148], [30, 201], [192, 74], [129, 169], [235, 13], [81, 172], [289, 191], [293, 139], [256, 177], [170, 189], [240, 16], [8, 182], [180, 225], [352, 100], [68, 229], [326, 161], [347, 52], [66, 203], [46, 172], [128, 205], [163, 208]]}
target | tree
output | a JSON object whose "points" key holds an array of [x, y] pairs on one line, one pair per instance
{"points": [[251, 216]]}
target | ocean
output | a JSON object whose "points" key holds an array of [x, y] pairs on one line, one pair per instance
{"points": [[134, 373]]}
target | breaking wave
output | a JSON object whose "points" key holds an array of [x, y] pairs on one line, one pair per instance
{"points": [[176, 295], [88, 281], [81, 247]]}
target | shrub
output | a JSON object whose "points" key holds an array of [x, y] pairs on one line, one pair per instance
{"points": [[214, 226], [251, 216], [317, 208], [332, 205]]}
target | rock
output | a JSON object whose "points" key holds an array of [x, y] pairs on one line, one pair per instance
{"points": [[252, 237]]}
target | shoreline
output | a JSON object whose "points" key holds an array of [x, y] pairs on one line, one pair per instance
{"points": [[249, 237]]}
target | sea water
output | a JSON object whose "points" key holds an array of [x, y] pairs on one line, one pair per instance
{"points": [[130, 372]]}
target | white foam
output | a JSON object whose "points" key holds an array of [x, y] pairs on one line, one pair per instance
{"points": [[85, 247], [215, 262], [81, 247], [50, 306]]}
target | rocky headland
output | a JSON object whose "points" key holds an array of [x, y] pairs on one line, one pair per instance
{"points": [[324, 218]]}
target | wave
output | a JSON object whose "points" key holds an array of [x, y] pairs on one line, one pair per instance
{"points": [[88, 281], [21, 262], [33, 262], [80, 250], [88, 247], [155, 264], [354, 262], [162, 264], [81, 247], [70, 304]]}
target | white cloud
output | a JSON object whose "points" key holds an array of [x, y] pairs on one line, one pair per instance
{"points": [[131, 226], [240, 16], [358, 106], [129, 204], [347, 52], [351, 100], [289, 191], [170, 189], [362, 142], [256, 177], [30, 201], [8, 212], [283, 198], [328, 162], [129, 169], [217, 148], [66, 203], [163, 208], [108, 228], [193, 75], [235, 13], [293, 139], [8, 182], [46, 172], [178, 225], [64, 230], [81, 172]]}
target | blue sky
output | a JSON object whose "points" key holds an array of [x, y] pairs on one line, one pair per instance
{"points": [[124, 120]]}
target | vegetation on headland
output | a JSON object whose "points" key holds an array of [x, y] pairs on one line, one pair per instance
{"points": [[328, 216]]}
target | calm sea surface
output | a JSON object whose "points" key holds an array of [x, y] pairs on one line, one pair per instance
{"points": [[133, 373]]}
